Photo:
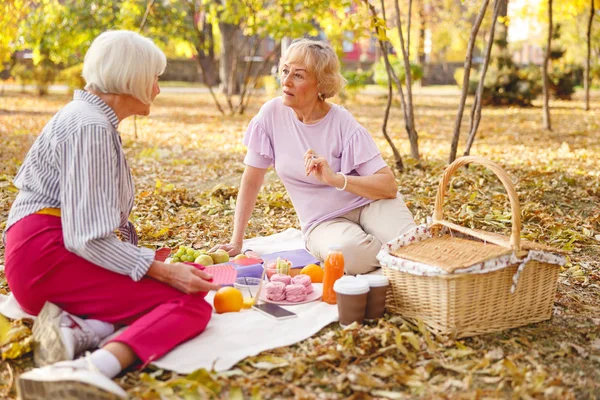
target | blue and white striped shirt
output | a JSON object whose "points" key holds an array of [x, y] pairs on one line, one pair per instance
{"points": [[78, 164]]}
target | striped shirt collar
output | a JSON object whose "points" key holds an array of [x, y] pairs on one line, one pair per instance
{"points": [[97, 101]]}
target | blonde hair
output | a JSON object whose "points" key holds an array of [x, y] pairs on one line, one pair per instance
{"points": [[123, 62], [319, 59]]}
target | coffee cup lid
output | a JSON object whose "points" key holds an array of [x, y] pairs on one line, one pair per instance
{"points": [[351, 285], [375, 280]]}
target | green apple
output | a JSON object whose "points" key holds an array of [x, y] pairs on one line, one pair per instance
{"points": [[240, 257], [204, 259], [219, 256]]}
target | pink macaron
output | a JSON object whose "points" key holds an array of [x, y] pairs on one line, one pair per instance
{"points": [[303, 280]]}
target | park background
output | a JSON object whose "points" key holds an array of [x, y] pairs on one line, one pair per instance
{"points": [[187, 161]]}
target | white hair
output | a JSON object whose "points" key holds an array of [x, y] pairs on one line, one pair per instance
{"points": [[123, 62]]}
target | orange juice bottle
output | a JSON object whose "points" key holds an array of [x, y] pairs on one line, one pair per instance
{"points": [[334, 270]]}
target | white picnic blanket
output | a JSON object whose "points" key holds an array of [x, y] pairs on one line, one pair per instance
{"points": [[231, 337]]}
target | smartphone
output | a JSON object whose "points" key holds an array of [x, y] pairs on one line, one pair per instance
{"points": [[274, 311]]}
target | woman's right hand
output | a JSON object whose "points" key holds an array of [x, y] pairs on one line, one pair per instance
{"points": [[184, 277]]}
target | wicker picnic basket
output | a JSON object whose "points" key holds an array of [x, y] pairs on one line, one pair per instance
{"points": [[463, 282]]}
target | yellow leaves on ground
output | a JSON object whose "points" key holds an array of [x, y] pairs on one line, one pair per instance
{"points": [[15, 338]]}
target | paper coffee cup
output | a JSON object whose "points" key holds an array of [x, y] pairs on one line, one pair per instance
{"points": [[351, 296], [378, 285]]}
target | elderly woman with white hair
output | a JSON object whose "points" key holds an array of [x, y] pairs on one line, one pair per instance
{"points": [[341, 188], [63, 258]]}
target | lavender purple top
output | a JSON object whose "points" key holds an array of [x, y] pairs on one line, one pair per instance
{"points": [[276, 137]]}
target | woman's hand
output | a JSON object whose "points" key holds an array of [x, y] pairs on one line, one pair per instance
{"points": [[319, 167], [184, 277], [233, 249]]}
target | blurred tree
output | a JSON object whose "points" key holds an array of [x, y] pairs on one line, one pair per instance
{"points": [[378, 25], [407, 104], [476, 107], [231, 34], [12, 13], [562, 75], [505, 83], [576, 17], [586, 77], [59, 32], [380, 75], [245, 25], [545, 78], [465, 85], [400, 69]]}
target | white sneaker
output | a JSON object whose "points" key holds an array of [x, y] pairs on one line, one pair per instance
{"points": [[69, 381], [60, 336]]}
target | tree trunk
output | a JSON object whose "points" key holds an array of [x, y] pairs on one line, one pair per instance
{"points": [[465, 84], [422, 26], [204, 44], [208, 69], [408, 22], [249, 89], [247, 69], [228, 60], [586, 78], [203, 40], [386, 116], [546, 113], [501, 27], [476, 108], [410, 120], [391, 75]]}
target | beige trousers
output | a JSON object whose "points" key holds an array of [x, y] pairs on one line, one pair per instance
{"points": [[361, 232]]}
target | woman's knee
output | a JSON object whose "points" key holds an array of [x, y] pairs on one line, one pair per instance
{"points": [[198, 303], [359, 268], [360, 257]]}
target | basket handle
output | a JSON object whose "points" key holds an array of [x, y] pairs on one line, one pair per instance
{"points": [[438, 215]]}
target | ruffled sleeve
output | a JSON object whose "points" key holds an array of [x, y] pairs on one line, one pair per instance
{"points": [[260, 149], [361, 154]]}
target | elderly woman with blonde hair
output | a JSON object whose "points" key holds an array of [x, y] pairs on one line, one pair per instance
{"points": [[64, 261], [341, 188]]}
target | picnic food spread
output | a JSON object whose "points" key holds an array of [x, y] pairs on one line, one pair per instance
{"points": [[282, 286]]}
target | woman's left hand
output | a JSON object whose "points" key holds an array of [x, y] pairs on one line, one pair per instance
{"points": [[319, 167]]}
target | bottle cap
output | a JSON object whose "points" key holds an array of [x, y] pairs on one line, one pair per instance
{"points": [[335, 247], [375, 280]]}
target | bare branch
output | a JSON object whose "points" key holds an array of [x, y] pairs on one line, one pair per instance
{"points": [[546, 80], [476, 108], [465, 85]]}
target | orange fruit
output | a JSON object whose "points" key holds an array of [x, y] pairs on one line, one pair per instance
{"points": [[228, 299], [314, 271]]}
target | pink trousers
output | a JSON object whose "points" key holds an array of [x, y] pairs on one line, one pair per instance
{"points": [[39, 268]]}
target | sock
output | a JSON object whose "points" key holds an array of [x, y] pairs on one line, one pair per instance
{"points": [[106, 362], [100, 328]]}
